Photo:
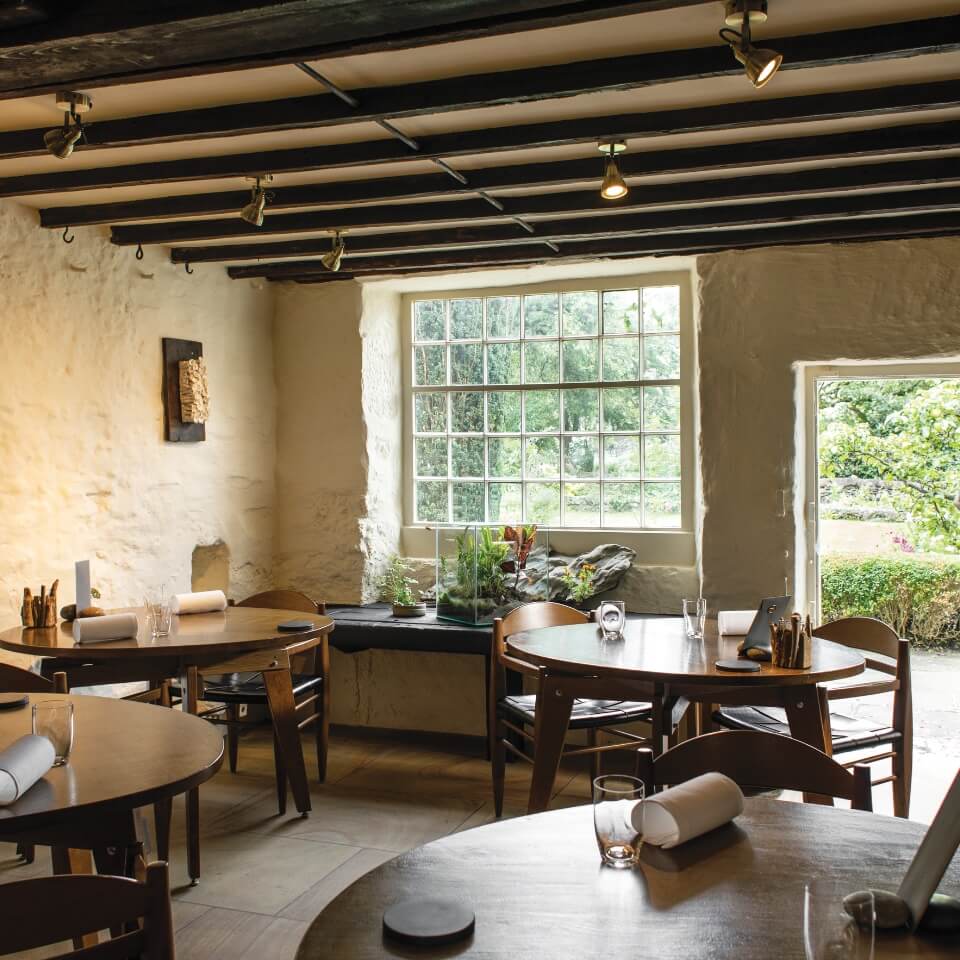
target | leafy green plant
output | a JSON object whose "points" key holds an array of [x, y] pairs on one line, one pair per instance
{"points": [[579, 583], [396, 585]]}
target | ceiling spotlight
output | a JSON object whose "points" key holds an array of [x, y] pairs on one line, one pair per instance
{"points": [[333, 259], [252, 212], [760, 65], [61, 141], [614, 186]]}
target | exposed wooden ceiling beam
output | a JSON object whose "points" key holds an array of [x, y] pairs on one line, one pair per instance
{"points": [[869, 143], [103, 42]]}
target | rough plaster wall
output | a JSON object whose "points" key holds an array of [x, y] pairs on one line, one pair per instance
{"points": [[86, 472], [763, 311]]}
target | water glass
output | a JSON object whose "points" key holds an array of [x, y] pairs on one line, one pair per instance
{"points": [[830, 931], [159, 615], [612, 615], [694, 617], [618, 819], [53, 719]]}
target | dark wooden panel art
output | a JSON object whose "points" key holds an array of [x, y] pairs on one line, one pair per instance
{"points": [[175, 430]]}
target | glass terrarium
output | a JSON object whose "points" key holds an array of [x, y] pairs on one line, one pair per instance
{"points": [[484, 571]]}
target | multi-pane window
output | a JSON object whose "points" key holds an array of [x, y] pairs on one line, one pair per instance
{"points": [[553, 408]]}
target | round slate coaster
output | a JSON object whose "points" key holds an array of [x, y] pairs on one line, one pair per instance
{"points": [[738, 666], [428, 922], [12, 701]]}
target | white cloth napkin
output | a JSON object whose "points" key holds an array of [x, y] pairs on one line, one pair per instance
{"points": [[115, 626], [207, 601], [735, 623], [22, 764], [688, 810]]}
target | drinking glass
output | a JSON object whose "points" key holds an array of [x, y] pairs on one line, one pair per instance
{"points": [[612, 615], [53, 719], [159, 614], [830, 931], [618, 819], [694, 617]]}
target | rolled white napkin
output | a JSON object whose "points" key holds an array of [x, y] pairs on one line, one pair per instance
{"points": [[207, 601], [22, 764], [115, 626], [735, 623], [688, 810]]}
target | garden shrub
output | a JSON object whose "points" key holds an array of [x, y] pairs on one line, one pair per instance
{"points": [[920, 599]]}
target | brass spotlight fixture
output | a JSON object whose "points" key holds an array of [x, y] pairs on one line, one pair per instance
{"points": [[333, 259], [252, 212], [614, 186], [760, 65], [61, 141]]}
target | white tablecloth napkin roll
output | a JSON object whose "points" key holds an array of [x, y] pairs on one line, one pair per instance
{"points": [[22, 764], [688, 810], [735, 623], [207, 601], [115, 626]]}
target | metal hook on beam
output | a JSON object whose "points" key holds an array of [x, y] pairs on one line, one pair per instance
{"points": [[188, 268], [65, 238], [139, 253]]}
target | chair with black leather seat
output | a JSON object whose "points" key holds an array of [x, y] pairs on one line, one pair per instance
{"points": [[518, 713], [888, 671]]}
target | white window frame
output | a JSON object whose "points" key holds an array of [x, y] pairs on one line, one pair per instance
{"points": [[673, 546]]}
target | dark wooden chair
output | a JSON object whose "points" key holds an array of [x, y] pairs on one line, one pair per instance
{"points": [[888, 671], [757, 760], [517, 713], [51, 910]]}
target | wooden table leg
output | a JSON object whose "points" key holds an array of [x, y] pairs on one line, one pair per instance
{"points": [[283, 710], [191, 698], [807, 723], [554, 705]]}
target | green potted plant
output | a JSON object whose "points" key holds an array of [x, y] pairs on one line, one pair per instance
{"points": [[579, 584], [399, 588]]}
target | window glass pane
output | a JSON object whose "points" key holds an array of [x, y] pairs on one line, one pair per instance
{"points": [[428, 320], [503, 363], [661, 457], [581, 504], [467, 502], [503, 457], [580, 414], [621, 408], [581, 457], [661, 358], [621, 311], [661, 408], [661, 504], [541, 362], [466, 413], [466, 458], [430, 412], [503, 318], [466, 363], [621, 358], [622, 505], [430, 366], [431, 456], [543, 503], [432, 501], [621, 457], [661, 309], [466, 319], [543, 457], [581, 361], [541, 315], [541, 410], [505, 502], [503, 411], [580, 313]]}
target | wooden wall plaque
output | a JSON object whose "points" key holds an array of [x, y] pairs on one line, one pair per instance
{"points": [[175, 430]]}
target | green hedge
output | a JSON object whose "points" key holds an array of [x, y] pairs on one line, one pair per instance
{"points": [[919, 598]]}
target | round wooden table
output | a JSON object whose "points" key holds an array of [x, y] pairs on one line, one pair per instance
{"points": [[236, 640], [539, 891], [656, 661]]}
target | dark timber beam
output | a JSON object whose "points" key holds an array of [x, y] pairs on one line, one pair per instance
{"points": [[868, 143], [572, 229]]}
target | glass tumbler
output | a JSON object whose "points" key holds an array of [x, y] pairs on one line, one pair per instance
{"points": [[159, 615], [830, 931], [694, 617], [53, 719], [612, 615], [618, 819]]}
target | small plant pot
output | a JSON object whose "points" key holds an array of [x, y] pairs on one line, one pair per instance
{"points": [[410, 610]]}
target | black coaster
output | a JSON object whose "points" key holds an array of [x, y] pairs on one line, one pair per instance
{"points": [[293, 626], [13, 701], [428, 922], [738, 666]]}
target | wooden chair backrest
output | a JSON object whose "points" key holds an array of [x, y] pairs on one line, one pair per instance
{"points": [[17, 680], [284, 600], [755, 759], [867, 634], [49, 910]]}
